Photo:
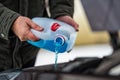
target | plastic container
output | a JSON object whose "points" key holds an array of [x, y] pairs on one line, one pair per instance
{"points": [[57, 36]]}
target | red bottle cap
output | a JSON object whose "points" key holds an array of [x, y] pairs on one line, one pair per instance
{"points": [[55, 26]]}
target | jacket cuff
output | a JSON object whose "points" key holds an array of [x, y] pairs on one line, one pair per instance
{"points": [[7, 18], [62, 8]]}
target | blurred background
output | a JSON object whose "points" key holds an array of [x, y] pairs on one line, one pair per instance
{"points": [[88, 43]]}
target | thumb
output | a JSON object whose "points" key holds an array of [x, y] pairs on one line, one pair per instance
{"points": [[34, 25]]}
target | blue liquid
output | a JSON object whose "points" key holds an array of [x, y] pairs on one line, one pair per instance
{"points": [[56, 55], [56, 59], [49, 45]]}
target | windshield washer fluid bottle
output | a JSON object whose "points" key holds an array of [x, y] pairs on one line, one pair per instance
{"points": [[57, 36]]}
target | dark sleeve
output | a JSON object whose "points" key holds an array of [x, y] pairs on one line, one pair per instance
{"points": [[7, 18], [61, 8]]}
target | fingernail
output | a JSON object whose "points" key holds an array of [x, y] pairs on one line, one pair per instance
{"points": [[41, 29], [77, 30]]}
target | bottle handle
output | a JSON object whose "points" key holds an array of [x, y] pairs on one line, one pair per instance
{"points": [[42, 35]]}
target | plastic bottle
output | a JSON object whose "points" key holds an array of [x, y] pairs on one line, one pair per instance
{"points": [[57, 36]]}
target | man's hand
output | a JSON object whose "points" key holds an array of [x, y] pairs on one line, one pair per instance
{"points": [[22, 26], [69, 20]]}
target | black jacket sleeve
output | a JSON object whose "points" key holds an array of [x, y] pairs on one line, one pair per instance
{"points": [[61, 8], [7, 18]]}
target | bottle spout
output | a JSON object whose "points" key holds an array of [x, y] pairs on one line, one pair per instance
{"points": [[59, 40]]}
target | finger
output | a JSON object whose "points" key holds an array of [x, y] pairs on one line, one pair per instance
{"points": [[31, 36], [75, 25], [69, 20], [33, 25], [23, 39]]}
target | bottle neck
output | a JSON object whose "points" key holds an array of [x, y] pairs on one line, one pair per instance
{"points": [[60, 40]]}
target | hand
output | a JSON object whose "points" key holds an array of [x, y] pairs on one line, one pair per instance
{"points": [[21, 27], [69, 20]]}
